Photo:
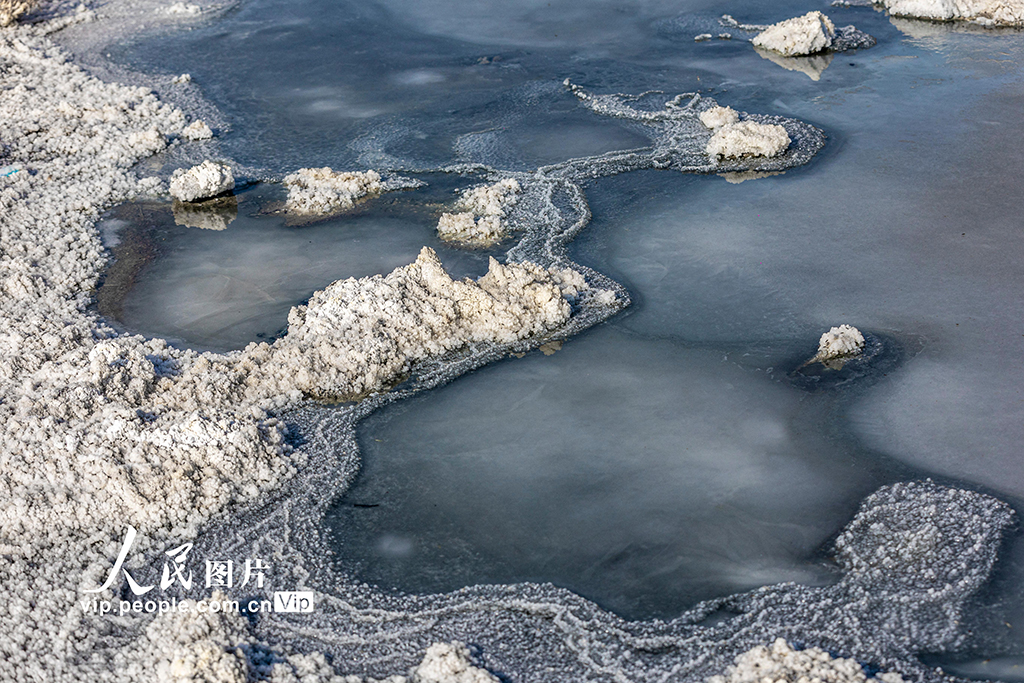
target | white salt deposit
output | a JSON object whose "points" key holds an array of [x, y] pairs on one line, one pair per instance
{"points": [[321, 191], [182, 79], [716, 117], [206, 180], [197, 130], [480, 221], [184, 9], [844, 340], [984, 12], [781, 663], [748, 138], [806, 35]]}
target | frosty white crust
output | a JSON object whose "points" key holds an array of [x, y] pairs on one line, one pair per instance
{"points": [[481, 213], [839, 342], [984, 12], [806, 35], [780, 662], [322, 191], [206, 180], [733, 138], [197, 130]]}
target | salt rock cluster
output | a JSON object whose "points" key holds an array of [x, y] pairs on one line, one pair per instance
{"points": [[479, 220], [806, 35], [733, 138], [197, 130], [985, 12], [206, 180], [322, 191], [781, 663], [839, 342]]}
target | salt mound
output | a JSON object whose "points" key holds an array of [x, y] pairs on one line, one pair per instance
{"points": [[482, 210], [197, 130], [748, 138], [716, 117], [321, 191], [984, 12], [781, 663], [806, 35], [450, 663], [206, 180], [838, 342]]}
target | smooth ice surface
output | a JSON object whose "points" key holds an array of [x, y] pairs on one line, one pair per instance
{"points": [[645, 481], [221, 289]]}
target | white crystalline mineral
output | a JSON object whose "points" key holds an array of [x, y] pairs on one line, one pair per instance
{"points": [[747, 138], [206, 180], [985, 12], [806, 35], [844, 340], [450, 663], [184, 9], [479, 221], [321, 191], [780, 663], [182, 79], [716, 117], [197, 130]]}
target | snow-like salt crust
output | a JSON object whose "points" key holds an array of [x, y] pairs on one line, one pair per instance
{"points": [[321, 191], [100, 431], [197, 130], [779, 662], [481, 213], [806, 35], [984, 12], [844, 340], [733, 138], [206, 180]]}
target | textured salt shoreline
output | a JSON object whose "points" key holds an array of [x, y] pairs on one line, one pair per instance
{"points": [[62, 366]]}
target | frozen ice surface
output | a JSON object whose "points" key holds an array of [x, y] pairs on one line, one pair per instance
{"points": [[668, 476]]}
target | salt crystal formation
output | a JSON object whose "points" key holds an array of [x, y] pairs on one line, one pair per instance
{"points": [[844, 340], [782, 664], [197, 130], [734, 138], [323, 191], [206, 180], [480, 221], [806, 35], [984, 12]]}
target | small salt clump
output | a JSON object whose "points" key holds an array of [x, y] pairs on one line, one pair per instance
{"points": [[183, 78], [780, 663], [450, 663], [748, 138], [197, 130], [206, 180], [717, 117], [839, 342], [806, 35], [184, 9], [321, 191], [479, 223]]}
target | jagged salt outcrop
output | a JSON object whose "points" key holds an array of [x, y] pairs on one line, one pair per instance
{"points": [[799, 36], [206, 180], [733, 138], [322, 191], [983, 12], [481, 213]]}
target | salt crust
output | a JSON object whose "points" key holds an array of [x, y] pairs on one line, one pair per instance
{"points": [[206, 180], [98, 431], [197, 130], [208, 647], [838, 342], [780, 663], [984, 12], [733, 138], [482, 210], [322, 191], [806, 35]]}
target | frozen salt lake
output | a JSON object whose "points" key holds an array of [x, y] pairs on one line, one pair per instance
{"points": [[667, 456]]}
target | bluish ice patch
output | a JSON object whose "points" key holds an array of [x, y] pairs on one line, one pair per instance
{"points": [[642, 474]]}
